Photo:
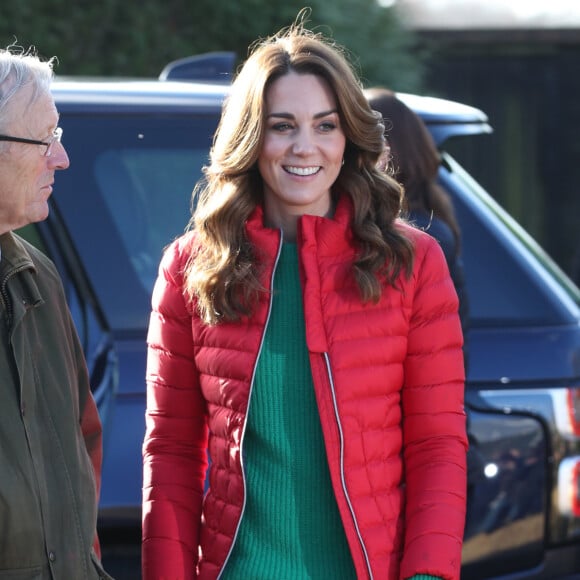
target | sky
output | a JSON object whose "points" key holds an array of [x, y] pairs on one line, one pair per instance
{"points": [[490, 13]]}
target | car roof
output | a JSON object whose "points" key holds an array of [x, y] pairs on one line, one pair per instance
{"points": [[109, 94], [445, 118]]}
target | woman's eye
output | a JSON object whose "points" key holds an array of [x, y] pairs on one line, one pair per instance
{"points": [[327, 126], [281, 127]]}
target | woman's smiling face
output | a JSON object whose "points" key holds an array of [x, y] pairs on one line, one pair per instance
{"points": [[303, 148]]}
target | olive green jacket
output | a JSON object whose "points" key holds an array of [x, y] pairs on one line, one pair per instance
{"points": [[50, 432]]}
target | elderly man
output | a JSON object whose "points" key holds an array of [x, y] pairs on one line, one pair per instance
{"points": [[50, 432]]}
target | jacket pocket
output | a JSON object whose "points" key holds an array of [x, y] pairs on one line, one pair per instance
{"points": [[31, 573]]}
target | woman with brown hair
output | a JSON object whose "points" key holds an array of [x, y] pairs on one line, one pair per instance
{"points": [[306, 340]]}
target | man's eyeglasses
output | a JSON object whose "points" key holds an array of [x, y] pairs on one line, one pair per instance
{"points": [[55, 137]]}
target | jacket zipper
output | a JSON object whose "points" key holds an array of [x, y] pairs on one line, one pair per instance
{"points": [[249, 403], [7, 302], [342, 475]]}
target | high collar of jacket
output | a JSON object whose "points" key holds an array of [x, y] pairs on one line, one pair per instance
{"points": [[325, 236], [319, 240]]}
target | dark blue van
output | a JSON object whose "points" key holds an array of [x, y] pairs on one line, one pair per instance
{"points": [[136, 150]]}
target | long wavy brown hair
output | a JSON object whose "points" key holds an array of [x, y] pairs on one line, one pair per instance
{"points": [[222, 275], [414, 158]]}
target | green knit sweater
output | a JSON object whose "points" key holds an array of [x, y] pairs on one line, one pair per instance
{"points": [[291, 528]]}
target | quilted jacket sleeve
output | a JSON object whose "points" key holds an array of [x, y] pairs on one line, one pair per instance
{"points": [[434, 434], [174, 449]]}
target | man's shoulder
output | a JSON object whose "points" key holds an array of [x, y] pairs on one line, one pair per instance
{"points": [[40, 260]]}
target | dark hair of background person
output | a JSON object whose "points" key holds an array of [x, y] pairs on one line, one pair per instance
{"points": [[415, 159]]}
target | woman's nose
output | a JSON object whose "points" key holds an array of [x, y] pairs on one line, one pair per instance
{"points": [[303, 143]]}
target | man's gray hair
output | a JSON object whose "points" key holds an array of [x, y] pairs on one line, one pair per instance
{"points": [[19, 68]]}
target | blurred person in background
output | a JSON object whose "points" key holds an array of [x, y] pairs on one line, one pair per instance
{"points": [[412, 158], [50, 432], [307, 340]]}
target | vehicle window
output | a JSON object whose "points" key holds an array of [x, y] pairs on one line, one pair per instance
{"points": [[126, 195], [147, 192], [510, 280], [92, 334]]}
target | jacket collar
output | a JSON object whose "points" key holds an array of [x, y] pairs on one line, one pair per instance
{"points": [[15, 256], [328, 232], [17, 265], [319, 240]]}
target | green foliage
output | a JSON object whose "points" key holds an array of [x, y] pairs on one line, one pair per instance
{"points": [[117, 37]]}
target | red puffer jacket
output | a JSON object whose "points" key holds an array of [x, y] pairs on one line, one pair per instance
{"points": [[389, 384]]}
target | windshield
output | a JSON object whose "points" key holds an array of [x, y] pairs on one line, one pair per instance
{"points": [[126, 195]]}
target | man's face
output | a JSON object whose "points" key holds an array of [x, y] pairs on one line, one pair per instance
{"points": [[26, 174]]}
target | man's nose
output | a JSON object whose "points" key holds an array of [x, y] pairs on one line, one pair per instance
{"points": [[59, 157]]}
